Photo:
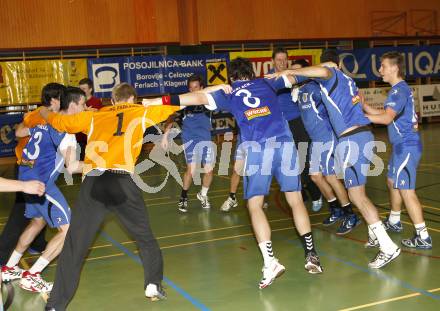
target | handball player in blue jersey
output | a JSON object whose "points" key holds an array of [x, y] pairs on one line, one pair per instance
{"points": [[270, 151], [197, 145], [290, 109], [355, 143], [400, 117], [322, 162], [44, 157]]}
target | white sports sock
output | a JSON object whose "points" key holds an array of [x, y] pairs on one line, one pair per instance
{"points": [[371, 234], [14, 259], [266, 251], [151, 290], [205, 191], [331, 200], [394, 217], [39, 265], [386, 244], [422, 230]]}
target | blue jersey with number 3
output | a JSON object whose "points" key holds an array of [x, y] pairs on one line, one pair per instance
{"points": [[40, 158], [255, 108]]}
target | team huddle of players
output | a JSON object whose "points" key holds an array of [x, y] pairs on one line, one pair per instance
{"points": [[328, 107]]}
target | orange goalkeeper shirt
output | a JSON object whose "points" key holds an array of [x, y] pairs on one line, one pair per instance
{"points": [[114, 133]]}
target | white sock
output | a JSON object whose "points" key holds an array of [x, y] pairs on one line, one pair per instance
{"points": [[386, 244], [205, 191], [266, 251], [331, 200], [14, 259], [422, 230], [39, 265], [371, 234], [394, 217], [151, 289]]}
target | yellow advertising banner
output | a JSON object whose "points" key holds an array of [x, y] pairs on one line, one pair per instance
{"points": [[262, 60], [22, 81]]}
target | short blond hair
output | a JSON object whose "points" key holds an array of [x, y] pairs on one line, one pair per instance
{"points": [[122, 92]]}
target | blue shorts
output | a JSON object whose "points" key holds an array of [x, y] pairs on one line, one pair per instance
{"points": [[261, 166], [403, 164], [354, 153], [198, 151], [322, 159], [52, 207]]}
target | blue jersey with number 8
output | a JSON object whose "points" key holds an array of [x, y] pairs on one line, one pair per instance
{"points": [[255, 108]]}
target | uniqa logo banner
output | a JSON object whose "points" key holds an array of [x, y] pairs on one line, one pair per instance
{"points": [[364, 64]]}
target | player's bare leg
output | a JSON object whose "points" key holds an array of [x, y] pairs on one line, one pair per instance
{"points": [[231, 201], [272, 268], [388, 249], [302, 224], [421, 239]]}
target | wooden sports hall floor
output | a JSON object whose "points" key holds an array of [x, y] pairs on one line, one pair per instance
{"points": [[212, 261]]}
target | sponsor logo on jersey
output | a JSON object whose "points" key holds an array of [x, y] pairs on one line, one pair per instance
{"points": [[26, 162], [355, 99], [391, 104], [257, 112]]}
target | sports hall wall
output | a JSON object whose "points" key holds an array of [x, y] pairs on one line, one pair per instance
{"points": [[68, 23]]}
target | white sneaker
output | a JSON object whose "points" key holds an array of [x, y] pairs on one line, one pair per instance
{"points": [[383, 259], [371, 243], [11, 273], [270, 273], [204, 200], [183, 205], [155, 292], [312, 263], [228, 204], [35, 283]]}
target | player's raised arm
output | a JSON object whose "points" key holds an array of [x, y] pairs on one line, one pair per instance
{"points": [[74, 123], [188, 99], [296, 76]]}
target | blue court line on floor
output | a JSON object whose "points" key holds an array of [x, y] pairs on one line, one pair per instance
{"points": [[377, 273], [170, 283]]}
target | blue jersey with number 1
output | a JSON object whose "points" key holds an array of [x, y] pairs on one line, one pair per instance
{"points": [[341, 98], [255, 108], [40, 158]]}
